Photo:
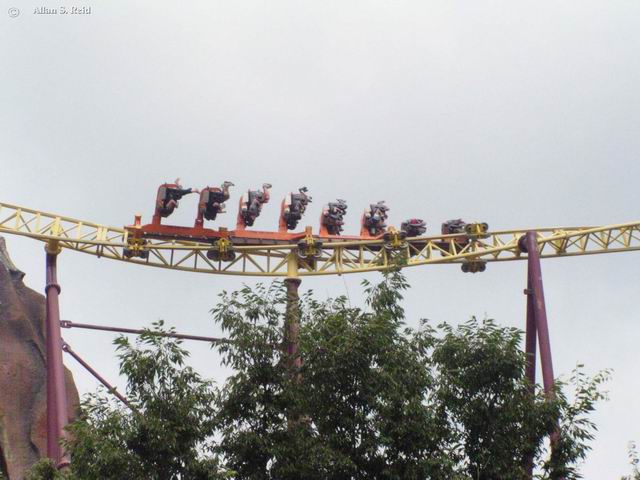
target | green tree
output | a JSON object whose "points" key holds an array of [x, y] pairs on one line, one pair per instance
{"points": [[373, 399], [378, 400], [634, 459], [496, 420], [167, 433]]}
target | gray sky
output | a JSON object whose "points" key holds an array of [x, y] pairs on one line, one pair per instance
{"points": [[513, 113]]}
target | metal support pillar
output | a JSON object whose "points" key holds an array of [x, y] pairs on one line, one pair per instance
{"points": [[292, 319], [290, 344], [530, 339], [530, 367], [540, 312], [537, 328], [56, 390]]}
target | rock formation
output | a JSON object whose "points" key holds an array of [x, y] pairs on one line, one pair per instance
{"points": [[23, 424]]}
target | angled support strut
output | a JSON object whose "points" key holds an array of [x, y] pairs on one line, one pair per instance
{"points": [[110, 388]]}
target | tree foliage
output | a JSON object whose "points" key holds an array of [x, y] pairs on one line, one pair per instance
{"points": [[373, 399], [379, 400], [634, 459], [165, 435]]}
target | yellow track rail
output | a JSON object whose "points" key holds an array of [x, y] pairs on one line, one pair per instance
{"points": [[334, 258]]}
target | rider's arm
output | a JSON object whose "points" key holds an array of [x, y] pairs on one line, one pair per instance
{"points": [[178, 193]]}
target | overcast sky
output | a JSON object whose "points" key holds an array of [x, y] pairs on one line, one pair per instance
{"points": [[517, 114]]}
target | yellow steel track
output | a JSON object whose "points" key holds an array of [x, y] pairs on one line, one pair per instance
{"points": [[335, 258]]}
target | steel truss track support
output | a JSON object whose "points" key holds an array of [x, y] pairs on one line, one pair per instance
{"points": [[537, 328], [56, 389]]}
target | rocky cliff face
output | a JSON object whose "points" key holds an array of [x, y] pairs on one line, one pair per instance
{"points": [[23, 423]]}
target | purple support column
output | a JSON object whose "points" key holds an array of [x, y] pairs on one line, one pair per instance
{"points": [[291, 348], [530, 336], [56, 391], [292, 327], [535, 278], [530, 350], [536, 296]]}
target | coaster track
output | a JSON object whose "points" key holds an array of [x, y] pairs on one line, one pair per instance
{"points": [[331, 256]]}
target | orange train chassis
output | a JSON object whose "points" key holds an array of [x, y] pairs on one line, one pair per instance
{"points": [[310, 245]]}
